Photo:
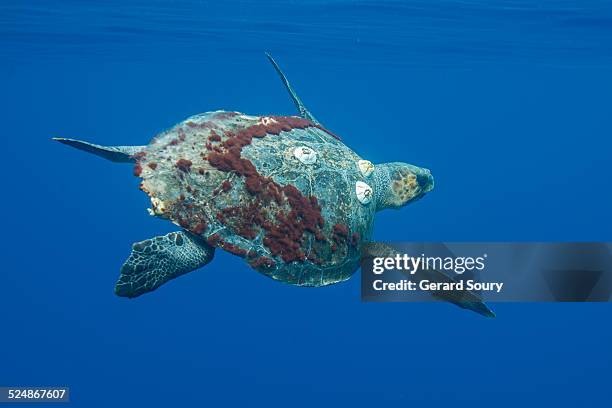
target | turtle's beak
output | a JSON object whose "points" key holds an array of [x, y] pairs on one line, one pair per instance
{"points": [[425, 181]]}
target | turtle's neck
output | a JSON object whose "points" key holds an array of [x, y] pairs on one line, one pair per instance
{"points": [[382, 186]]}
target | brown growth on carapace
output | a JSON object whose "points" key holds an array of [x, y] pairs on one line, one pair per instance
{"points": [[183, 165], [284, 227]]}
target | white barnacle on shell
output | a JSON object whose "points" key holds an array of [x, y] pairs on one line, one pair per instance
{"points": [[266, 121], [365, 167], [305, 154], [158, 206], [364, 192]]}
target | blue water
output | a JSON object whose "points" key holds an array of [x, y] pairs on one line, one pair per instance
{"points": [[507, 102]]}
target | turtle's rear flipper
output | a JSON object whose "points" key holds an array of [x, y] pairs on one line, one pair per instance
{"points": [[462, 298], [155, 261], [117, 154]]}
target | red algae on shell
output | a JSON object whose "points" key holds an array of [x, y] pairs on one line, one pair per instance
{"points": [[234, 249], [199, 227], [262, 262], [355, 238], [285, 223], [214, 239], [289, 223], [214, 137], [137, 169], [183, 165], [340, 233]]}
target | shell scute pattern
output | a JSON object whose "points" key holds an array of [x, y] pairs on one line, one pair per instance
{"points": [[234, 180]]}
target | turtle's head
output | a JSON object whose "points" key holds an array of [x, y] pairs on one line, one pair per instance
{"points": [[398, 184]]}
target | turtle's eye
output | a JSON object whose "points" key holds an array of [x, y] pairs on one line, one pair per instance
{"points": [[367, 193]]}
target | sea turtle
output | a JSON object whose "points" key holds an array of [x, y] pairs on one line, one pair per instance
{"points": [[282, 192]]}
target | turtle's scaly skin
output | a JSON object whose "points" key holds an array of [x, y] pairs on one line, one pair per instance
{"points": [[235, 180]]}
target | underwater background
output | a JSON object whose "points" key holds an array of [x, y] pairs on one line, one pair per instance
{"points": [[506, 101]]}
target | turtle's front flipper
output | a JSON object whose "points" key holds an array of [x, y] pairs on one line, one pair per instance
{"points": [[296, 100], [464, 298], [155, 261]]}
